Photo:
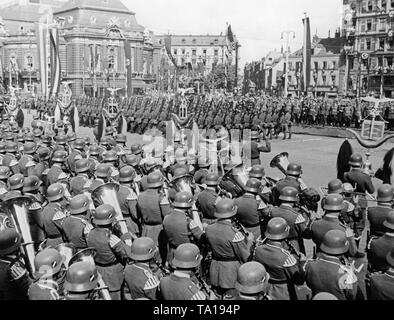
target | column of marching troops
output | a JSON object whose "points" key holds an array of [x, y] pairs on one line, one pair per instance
{"points": [[247, 247], [256, 112]]}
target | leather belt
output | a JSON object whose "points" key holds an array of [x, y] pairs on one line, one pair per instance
{"points": [[54, 237], [224, 259], [106, 265], [275, 281], [251, 225]]}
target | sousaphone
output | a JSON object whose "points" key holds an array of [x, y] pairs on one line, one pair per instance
{"points": [[281, 162], [234, 180], [17, 211]]}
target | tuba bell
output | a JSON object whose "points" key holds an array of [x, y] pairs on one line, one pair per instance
{"points": [[107, 194], [87, 255], [281, 161], [17, 211], [234, 181]]}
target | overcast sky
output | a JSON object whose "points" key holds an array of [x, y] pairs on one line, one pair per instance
{"points": [[256, 23]]}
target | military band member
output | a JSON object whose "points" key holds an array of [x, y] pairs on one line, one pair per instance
{"points": [[377, 215], [207, 199], [381, 284]]}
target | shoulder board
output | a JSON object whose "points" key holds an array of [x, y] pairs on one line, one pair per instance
{"points": [[300, 219], [370, 242], [35, 206], [290, 261], [199, 295], [152, 282], [45, 171], [59, 215], [238, 237], [137, 178], [132, 196], [62, 176], [164, 201], [87, 184], [113, 241], [3, 190], [13, 163], [114, 173]]}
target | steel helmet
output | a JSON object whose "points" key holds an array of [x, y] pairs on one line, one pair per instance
{"points": [[121, 138], [150, 164], [110, 156], [20, 137], [385, 193], [253, 186], [61, 139], [180, 173], [127, 174], [37, 133], [294, 169], [143, 249], [389, 222], [254, 135], [225, 208], [59, 156], [211, 179], [257, 172], [347, 188], [155, 180], [11, 147], [277, 229], [335, 242], [132, 160], [104, 215], [186, 256], [79, 204], [31, 183], [87, 140], [94, 150], [356, 160], [96, 122], [10, 241], [183, 200], [48, 262], [288, 194], [16, 181], [109, 131], [55, 192], [333, 202], [44, 153], [4, 172], [81, 277], [104, 141], [324, 296], [251, 278], [136, 149], [203, 162], [103, 171], [2, 147], [79, 145], [335, 186], [82, 165], [9, 137], [71, 137], [180, 155]]}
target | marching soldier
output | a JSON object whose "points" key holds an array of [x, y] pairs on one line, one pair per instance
{"points": [[379, 248], [81, 182], [50, 276], [27, 160], [76, 225], [230, 248], [331, 272], [381, 284], [15, 183], [54, 214], [178, 227], [58, 167], [14, 278], [140, 278], [179, 285], [111, 252], [252, 282], [249, 212], [333, 206], [377, 215], [41, 169]]}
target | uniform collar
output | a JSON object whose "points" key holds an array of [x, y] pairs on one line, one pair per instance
{"points": [[178, 211], [330, 217], [326, 257], [180, 274]]}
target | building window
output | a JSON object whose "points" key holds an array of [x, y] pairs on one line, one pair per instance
{"points": [[334, 65], [384, 5], [333, 78], [316, 65], [369, 25], [290, 65], [370, 5], [175, 51], [382, 25], [112, 60], [368, 44], [392, 4], [389, 61], [183, 51], [216, 52], [324, 65], [204, 51], [324, 80], [29, 62], [381, 43], [194, 52]]}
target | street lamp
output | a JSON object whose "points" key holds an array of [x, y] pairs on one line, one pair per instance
{"points": [[288, 33]]}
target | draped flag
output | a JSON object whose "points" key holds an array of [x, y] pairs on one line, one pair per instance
{"points": [[306, 56], [230, 39], [42, 57], [74, 119], [55, 61], [129, 69], [167, 42]]}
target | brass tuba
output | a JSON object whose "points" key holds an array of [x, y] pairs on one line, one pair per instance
{"points": [[87, 255], [234, 181], [17, 211], [107, 194], [281, 161]]}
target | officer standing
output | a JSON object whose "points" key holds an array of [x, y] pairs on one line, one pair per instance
{"points": [[111, 252], [179, 285], [331, 272], [284, 268], [251, 150], [230, 248], [381, 284], [14, 278], [140, 278], [252, 282]]}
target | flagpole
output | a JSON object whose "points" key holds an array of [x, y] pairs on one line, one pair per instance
{"points": [[83, 71]]}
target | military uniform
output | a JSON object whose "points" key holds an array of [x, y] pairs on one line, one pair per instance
{"points": [[79, 184], [381, 286], [200, 175], [44, 290], [378, 248], [376, 216], [26, 162], [249, 213], [230, 249], [285, 270], [128, 204], [361, 183], [111, 253], [141, 281], [11, 289], [53, 174], [179, 286], [52, 217], [73, 228], [253, 151], [329, 274], [206, 201], [289, 181]]}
